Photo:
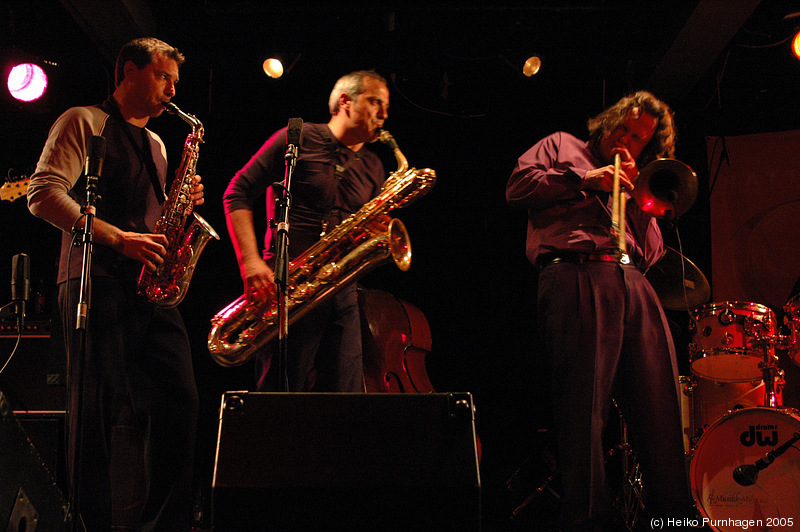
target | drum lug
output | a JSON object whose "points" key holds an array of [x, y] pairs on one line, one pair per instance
{"points": [[689, 384], [726, 317]]}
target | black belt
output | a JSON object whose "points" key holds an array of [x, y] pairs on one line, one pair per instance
{"points": [[580, 258]]}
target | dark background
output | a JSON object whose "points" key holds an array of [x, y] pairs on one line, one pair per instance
{"points": [[459, 105]]}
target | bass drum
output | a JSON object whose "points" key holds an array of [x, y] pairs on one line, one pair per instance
{"points": [[741, 438], [704, 401]]}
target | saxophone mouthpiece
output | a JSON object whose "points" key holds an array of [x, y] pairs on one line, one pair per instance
{"points": [[171, 107], [387, 138]]}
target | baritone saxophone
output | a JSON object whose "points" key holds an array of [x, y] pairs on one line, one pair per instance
{"points": [[167, 286], [362, 242]]}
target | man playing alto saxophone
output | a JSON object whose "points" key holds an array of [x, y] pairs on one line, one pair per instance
{"points": [[335, 176], [140, 401]]}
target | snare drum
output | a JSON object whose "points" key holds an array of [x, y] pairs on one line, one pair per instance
{"points": [[727, 343], [741, 438]]}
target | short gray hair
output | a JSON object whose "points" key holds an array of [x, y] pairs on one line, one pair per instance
{"points": [[351, 84]]}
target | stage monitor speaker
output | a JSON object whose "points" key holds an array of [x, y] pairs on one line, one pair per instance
{"points": [[34, 379], [47, 432], [357, 462], [29, 497]]}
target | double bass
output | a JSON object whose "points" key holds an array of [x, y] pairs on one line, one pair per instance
{"points": [[396, 339]]}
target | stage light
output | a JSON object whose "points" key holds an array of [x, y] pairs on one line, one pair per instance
{"points": [[796, 45], [26, 82], [273, 67], [532, 66]]}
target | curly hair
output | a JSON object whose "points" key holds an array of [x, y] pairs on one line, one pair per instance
{"points": [[141, 51], [662, 145]]}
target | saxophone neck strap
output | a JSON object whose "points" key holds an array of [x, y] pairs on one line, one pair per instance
{"points": [[142, 149], [336, 152]]}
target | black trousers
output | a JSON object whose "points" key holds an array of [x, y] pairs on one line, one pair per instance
{"points": [[324, 349], [606, 335], [139, 411]]}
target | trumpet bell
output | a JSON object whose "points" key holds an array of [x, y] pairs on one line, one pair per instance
{"points": [[666, 188]]}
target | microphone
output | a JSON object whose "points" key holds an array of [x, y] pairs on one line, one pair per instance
{"points": [[93, 166], [746, 475], [95, 153], [294, 132], [20, 282]]}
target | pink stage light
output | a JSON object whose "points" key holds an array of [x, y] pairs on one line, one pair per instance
{"points": [[27, 82]]}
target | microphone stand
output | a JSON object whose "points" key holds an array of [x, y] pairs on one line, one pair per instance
{"points": [[81, 322], [282, 257]]}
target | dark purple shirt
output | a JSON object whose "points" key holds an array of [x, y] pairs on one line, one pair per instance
{"points": [[330, 182], [562, 217]]}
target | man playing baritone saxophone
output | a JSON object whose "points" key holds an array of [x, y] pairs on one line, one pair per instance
{"points": [[335, 176], [140, 401]]}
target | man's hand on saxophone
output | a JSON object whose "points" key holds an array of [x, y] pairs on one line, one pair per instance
{"points": [[258, 278], [148, 248], [196, 192]]}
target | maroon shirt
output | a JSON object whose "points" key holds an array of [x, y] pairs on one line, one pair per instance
{"points": [[330, 181], [564, 218]]}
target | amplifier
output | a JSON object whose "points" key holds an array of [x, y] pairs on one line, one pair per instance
{"points": [[325, 461], [35, 377]]}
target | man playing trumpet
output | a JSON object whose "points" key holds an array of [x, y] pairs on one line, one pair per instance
{"points": [[602, 329]]}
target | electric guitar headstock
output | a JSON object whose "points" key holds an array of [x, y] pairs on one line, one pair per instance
{"points": [[13, 190]]}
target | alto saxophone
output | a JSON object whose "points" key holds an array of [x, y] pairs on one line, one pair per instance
{"points": [[359, 244], [167, 286]]}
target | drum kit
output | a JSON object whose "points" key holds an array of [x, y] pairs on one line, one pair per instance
{"points": [[736, 429], [741, 442]]}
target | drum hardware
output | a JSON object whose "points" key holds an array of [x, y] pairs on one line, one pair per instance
{"points": [[746, 475], [726, 317], [629, 496], [538, 479], [771, 374], [792, 320]]}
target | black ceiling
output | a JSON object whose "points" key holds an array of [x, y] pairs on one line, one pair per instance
{"points": [[719, 59]]}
